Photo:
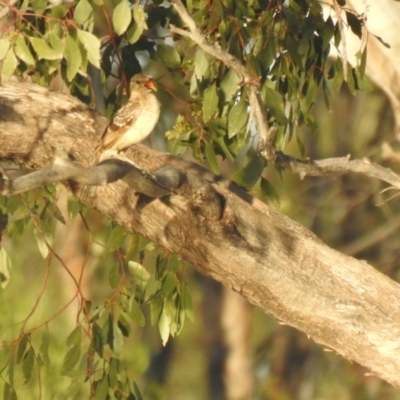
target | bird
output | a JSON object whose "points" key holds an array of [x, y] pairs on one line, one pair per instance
{"points": [[132, 123]]}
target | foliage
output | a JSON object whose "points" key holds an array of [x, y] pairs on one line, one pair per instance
{"points": [[285, 45]]}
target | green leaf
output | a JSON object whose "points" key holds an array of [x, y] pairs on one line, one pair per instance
{"points": [[114, 277], [164, 326], [139, 273], [84, 16], [9, 392], [269, 191], [27, 364], [44, 348], [43, 240], [74, 206], [9, 66], [72, 391], [201, 63], [187, 302], [137, 314], [139, 16], [75, 336], [168, 56], [210, 156], [138, 395], [71, 359], [91, 45], [251, 173], [5, 268], [134, 33], [118, 340], [328, 32], [116, 239], [44, 51], [22, 348], [237, 117], [113, 372], [122, 17], [4, 46], [230, 85], [22, 51], [210, 103], [101, 388], [97, 339], [274, 102], [152, 288], [124, 326], [168, 285], [56, 43], [72, 54]]}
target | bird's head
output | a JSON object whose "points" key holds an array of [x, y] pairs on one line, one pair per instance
{"points": [[142, 80]]}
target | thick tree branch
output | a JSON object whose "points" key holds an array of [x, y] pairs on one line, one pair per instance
{"points": [[275, 263]]}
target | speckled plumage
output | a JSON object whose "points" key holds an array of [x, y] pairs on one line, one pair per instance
{"points": [[134, 122]]}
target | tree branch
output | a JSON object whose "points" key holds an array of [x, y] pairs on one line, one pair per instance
{"points": [[275, 263], [338, 165]]}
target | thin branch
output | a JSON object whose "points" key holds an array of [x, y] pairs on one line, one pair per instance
{"points": [[339, 165]]}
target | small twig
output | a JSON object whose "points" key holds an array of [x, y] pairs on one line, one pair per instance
{"points": [[257, 106]]}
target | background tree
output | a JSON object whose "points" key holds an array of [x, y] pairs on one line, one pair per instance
{"points": [[220, 66]]}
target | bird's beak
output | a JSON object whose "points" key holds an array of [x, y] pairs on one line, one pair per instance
{"points": [[150, 85]]}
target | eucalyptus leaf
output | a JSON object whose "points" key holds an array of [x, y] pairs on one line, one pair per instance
{"points": [[22, 51], [133, 33], [139, 16], [230, 85], [92, 46], [237, 117], [211, 158], [73, 57], [137, 314], [164, 326], [84, 15], [4, 46], [28, 364], [122, 17], [44, 51], [9, 66], [201, 63], [210, 103], [101, 388], [118, 340], [168, 56], [71, 358]]}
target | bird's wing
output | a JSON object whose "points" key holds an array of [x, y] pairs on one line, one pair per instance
{"points": [[121, 123]]}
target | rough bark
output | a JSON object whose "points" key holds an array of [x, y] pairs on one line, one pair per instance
{"points": [[275, 263]]}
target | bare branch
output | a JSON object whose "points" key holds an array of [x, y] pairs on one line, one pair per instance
{"points": [[339, 165]]}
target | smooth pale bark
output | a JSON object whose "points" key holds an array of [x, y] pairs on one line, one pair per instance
{"points": [[275, 263]]}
